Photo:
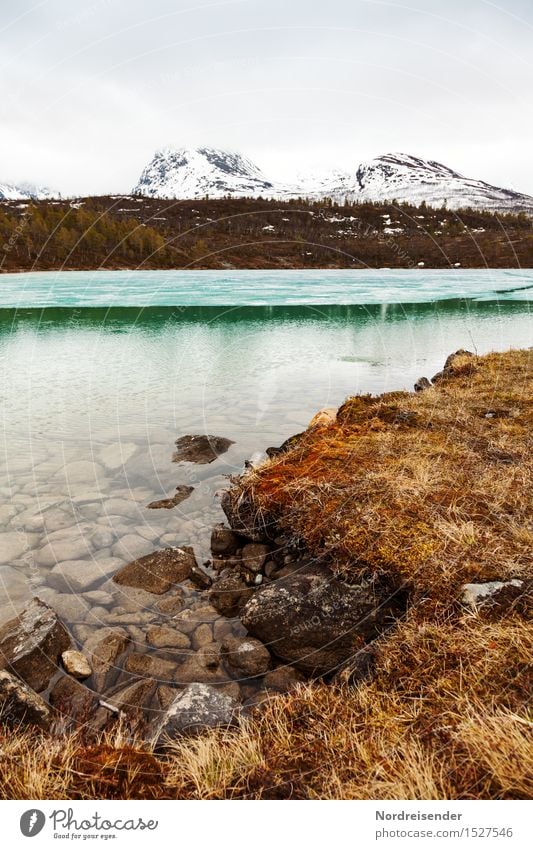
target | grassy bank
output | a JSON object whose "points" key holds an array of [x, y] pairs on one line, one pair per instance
{"points": [[432, 491]]}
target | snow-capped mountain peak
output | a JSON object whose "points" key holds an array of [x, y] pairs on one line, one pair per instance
{"points": [[24, 191], [197, 172]]}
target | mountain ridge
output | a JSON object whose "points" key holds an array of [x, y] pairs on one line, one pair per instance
{"points": [[194, 173]]}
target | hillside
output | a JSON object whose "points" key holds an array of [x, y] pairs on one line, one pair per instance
{"points": [[134, 232]]}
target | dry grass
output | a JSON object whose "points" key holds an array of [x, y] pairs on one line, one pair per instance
{"points": [[433, 489], [446, 714]]}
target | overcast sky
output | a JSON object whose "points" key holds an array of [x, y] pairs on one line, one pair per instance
{"points": [[91, 89]]}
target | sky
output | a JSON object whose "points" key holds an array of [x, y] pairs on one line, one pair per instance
{"points": [[91, 88]]}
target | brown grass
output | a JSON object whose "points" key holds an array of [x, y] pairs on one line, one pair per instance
{"points": [[426, 489]]}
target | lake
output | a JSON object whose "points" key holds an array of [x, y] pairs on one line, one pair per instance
{"points": [[102, 372]]}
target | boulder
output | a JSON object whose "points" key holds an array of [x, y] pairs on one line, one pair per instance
{"points": [[243, 517], [245, 656], [19, 704], [157, 572], [460, 362], [229, 594], [196, 708], [182, 492], [314, 621], [31, 644], [224, 541], [200, 448]]}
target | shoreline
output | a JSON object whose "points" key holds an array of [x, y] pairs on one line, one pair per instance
{"points": [[344, 623]]}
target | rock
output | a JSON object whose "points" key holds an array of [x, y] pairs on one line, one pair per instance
{"points": [[157, 572], [132, 599], [314, 621], [193, 670], [72, 699], [283, 678], [200, 448], [206, 613], [99, 597], [131, 546], [77, 576], [133, 697], [202, 636], [245, 656], [196, 708], [150, 666], [81, 471], [19, 704], [166, 695], [224, 541], [185, 621], [164, 636], [479, 594], [102, 539], [117, 454], [457, 363], [254, 556], [229, 594], [173, 604], [422, 384], [289, 443], [105, 648], [200, 578], [76, 664], [209, 656], [31, 643], [182, 492], [12, 546], [64, 550], [323, 418], [243, 517]]}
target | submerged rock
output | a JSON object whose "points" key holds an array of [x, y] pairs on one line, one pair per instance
{"points": [[182, 492], [105, 647], [157, 572], [229, 594], [20, 704], [314, 621], [31, 644], [197, 707], [200, 448], [245, 656]]}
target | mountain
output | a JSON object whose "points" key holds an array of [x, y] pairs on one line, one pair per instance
{"points": [[25, 191], [197, 172], [401, 177]]}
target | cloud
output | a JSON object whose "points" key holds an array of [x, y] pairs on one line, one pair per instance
{"points": [[91, 90]]}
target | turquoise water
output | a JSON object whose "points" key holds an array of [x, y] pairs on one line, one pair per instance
{"points": [[248, 288], [93, 397]]}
